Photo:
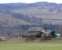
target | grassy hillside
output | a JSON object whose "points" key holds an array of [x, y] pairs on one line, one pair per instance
{"points": [[9, 20], [14, 15]]}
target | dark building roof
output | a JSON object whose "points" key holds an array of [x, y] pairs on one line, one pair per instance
{"points": [[36, 29]]}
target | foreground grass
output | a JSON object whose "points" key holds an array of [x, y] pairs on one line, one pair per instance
{"points": [[31, 45]]}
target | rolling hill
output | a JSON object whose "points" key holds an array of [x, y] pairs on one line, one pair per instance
{"points": [[15, 15]]}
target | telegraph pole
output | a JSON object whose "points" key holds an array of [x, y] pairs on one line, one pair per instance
{"points": [[18, 36], [21, 35], [40, 22]]}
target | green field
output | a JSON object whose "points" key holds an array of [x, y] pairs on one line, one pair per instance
{"points": [[46, 45]]}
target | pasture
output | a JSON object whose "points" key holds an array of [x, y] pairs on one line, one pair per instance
{"points": [[44, 45]]}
